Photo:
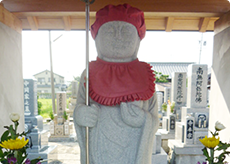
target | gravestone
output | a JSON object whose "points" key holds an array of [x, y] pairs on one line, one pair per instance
{"points": [[73, 99], [30, 104], [159, 100], [194, 119], [34, 123], [167, 94], [178, 92], [61, 107], [178, 96], [60, 129]]}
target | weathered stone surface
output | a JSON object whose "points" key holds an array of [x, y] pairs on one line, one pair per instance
{"points": [[197, 86], [116, 135], [61, 107], [189, 130], [181, 153], [167, 94], [178, 88], [160, 158], [159, 100], [30, 97]]}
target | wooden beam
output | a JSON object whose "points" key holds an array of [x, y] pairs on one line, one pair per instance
{"points": [[67, 22], [194, 6], [10, 20], [93, 14], [33, 22], [169, 24], [154, 21], [222, 23], [204, 24]]}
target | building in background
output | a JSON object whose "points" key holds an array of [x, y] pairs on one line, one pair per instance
{"points": [[167, 68], [44, 82]]}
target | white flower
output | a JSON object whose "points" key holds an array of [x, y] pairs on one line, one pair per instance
{"points": [[219, 126], [14, 117]]}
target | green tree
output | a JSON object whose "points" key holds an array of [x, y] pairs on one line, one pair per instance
{"points": [[160, 78]]}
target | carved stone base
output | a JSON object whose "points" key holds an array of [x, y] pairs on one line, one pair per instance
{"points": [[69, 138], [180, 153], [159, 158], [60, 130], [44, 153]]}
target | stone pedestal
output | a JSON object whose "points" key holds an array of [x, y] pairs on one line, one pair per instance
{"points": [[40, 146], [60, 133], [159, 156], [165, 136], [44, 153], [182, 154]]}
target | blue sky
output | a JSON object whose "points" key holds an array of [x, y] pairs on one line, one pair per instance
{"points": [[69, 50]]}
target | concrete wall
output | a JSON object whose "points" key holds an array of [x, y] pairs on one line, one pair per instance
{"points": [[220, 81], [11, 80]]}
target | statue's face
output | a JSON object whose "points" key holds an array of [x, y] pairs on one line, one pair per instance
{"points": [[117, 41]]}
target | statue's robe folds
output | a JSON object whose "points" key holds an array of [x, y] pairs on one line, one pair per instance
{"points": [[112, 141]]}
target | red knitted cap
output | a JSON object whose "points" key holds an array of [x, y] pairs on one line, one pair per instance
{"points": [[124, 13]]}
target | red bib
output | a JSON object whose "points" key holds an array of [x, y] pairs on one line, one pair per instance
{"points": [[112, 83]]}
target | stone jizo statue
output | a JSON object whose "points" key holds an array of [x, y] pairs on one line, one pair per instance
{"points": [[123, 115]]}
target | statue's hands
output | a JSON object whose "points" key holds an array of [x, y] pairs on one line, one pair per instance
{"points": [[132, 114], [87, 115]]}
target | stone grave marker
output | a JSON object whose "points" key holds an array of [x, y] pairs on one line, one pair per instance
{"points": [[194, 118], [34, 123], [159, 100], [167, 94]]}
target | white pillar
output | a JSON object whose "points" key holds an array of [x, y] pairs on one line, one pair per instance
{"points": [[220, 78], [11, 80]]}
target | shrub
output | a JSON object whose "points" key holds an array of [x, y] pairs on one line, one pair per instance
{"points": [[51, 115], [65, 115], [39, 107]]}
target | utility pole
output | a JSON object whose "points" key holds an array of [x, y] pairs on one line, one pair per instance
{"points": [[201, 46], [51, 72]]}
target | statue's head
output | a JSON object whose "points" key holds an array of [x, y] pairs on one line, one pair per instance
{"points": [[118, 31]]}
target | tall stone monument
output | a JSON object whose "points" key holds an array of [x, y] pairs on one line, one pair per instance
{"points": [[167, 94], [30, 105], [159, 100], [34, 123], [73, 99], [178, 96], [178, 93], [60, 127], [186, 148]]}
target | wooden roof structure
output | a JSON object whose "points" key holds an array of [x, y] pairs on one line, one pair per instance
{"points": [[165, 15]]}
